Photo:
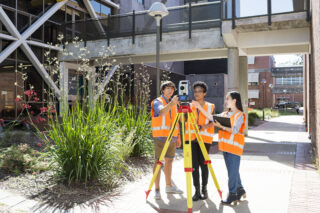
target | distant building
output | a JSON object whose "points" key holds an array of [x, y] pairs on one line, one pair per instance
{"points": [[281, 84], [259, 70], [288, 84]]}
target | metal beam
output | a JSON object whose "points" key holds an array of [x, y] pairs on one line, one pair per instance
{"points": [[21, 41], [110, 3], [26, 34], [40, 44], [7, 37], [106, 81], [93, 14], [37, 64]]}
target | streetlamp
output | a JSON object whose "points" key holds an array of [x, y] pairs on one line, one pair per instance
{"points": [[271, 86], [263, 81], [158, 11], [285, 96]]}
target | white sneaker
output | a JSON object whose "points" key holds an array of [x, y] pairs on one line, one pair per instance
{"points": [[173, 190], [157, 195]]}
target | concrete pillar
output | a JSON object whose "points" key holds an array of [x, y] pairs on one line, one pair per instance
{"points": [[243, 86], [233, 69], [64, 81], [92, 85], [238, 78]]}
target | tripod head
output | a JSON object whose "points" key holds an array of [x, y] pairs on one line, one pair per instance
{"points": [[184, 92]]}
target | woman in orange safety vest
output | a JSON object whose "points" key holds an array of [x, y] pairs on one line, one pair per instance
{"points": [[231, 143]]}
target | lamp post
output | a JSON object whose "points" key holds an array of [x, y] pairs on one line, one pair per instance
{"points": [[271, 86], [263, 81], [285, 96], [158, 11]]}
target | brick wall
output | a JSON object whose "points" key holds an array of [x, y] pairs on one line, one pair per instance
{"points": [[261, 62], [265, 92], [315, 75]]}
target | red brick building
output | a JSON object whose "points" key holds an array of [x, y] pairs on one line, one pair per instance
{"points": [[270, 85], [259, 81]]}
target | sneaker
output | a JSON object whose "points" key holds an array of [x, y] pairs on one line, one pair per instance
{"points": [[157, 195], [173, 190]]}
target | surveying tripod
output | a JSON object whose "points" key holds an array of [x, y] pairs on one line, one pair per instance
{"points": [[185, 109]]}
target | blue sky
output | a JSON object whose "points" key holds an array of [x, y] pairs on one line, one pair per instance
{"points": [[259, 7]]}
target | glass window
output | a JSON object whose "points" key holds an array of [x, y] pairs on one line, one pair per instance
{"points": [[101, 9], [279, 81]]}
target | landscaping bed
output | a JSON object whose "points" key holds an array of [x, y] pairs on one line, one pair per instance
{"points": [[47, 185]]}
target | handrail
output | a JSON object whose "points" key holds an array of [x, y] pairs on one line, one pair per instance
{"points": [[146, 11]]}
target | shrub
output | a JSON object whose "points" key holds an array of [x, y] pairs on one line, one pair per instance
{"points": [[132, 117], [22, 158], [88, 143], [252, 116]]}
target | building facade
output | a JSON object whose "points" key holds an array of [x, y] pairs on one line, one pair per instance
{"points": [[260, 81], [269, 86], [288, 84], [34, 29]]}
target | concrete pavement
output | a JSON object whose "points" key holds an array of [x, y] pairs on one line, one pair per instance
{"points": [[276, 170]]}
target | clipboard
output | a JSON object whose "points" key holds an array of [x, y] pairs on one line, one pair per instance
{"points": [[224, 121]]}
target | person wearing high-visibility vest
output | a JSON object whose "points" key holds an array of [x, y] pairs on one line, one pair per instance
{"points": [[231, 143], [163, 112], [202, 110]]}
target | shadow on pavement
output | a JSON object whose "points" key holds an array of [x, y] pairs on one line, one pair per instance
{"points": [[242, 207]]}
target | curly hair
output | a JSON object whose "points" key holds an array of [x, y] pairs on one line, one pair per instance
{"points": [[201, 84]]}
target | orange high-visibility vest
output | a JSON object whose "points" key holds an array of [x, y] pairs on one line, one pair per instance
{"points": [[233, 143], [207, 133], [161, 125]]}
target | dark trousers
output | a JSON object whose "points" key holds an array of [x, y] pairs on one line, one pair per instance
{"points": [[198, 161]]}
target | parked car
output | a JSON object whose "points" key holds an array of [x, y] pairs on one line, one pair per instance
{"points": [[287, 104]]}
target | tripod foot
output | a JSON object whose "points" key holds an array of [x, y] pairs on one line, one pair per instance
{"points": [[220, 193], [190, 210], [147, 194]]}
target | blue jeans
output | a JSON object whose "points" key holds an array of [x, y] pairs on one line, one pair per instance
{"points": [[233, 164]]}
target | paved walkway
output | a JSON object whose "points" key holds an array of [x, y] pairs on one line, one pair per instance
{"points": [[276, 171]]}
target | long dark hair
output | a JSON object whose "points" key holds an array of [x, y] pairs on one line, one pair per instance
{"points": [[236, 95]]}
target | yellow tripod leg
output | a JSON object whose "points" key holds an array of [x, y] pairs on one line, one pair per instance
{"points": [[187, 163], [205, 154], [164, 151]]}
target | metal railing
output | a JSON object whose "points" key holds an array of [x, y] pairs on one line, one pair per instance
{"points": [[232, 9], [192, 16], [181, 18]]}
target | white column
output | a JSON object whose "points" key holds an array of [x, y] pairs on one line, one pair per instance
{"points": [[243, 83], [64, 81], [233, 69], [91, 85]]}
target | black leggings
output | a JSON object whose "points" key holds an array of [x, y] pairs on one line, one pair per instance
{"points": [[198, 161]]}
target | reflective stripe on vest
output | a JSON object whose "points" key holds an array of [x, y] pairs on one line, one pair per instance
{"points": [[232, 145], [161, 130], [206, 136]]}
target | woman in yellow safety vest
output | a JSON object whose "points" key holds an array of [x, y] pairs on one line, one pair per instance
{"points": [[231, 143]]}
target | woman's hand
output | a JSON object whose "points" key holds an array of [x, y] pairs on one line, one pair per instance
{"points": [[217, 124], [211, 125]]}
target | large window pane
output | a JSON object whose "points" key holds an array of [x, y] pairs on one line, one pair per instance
{"points": [[252, 7]]}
